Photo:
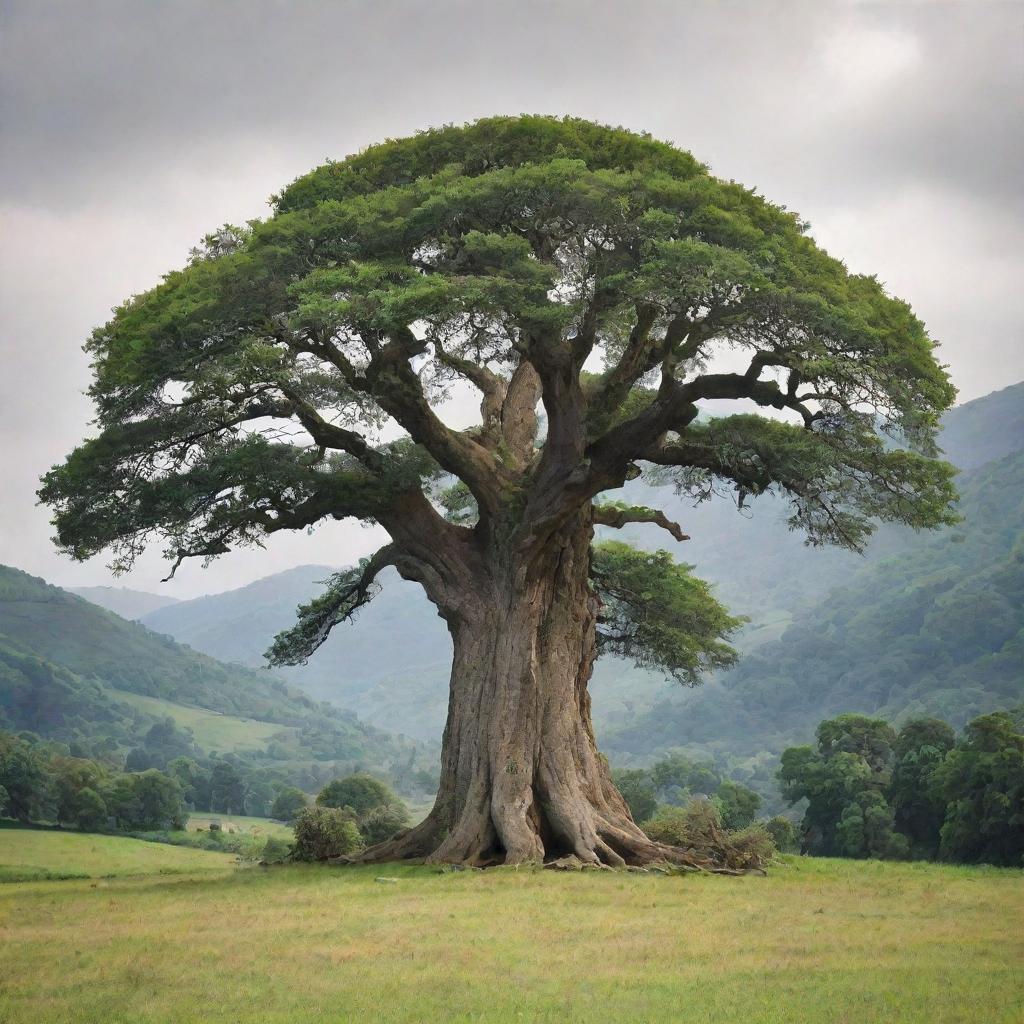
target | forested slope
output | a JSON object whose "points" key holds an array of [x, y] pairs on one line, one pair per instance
{"points": [[934, 628], [67, 665]]}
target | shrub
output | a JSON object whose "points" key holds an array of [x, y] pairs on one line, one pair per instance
{"points": [[324, 832], [638, 792], [383, 822], [362, 792], [288, 803], [783, 833], [698, 827], [276, 850]]}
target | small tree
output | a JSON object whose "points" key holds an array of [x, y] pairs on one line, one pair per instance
{"points": [[783, 833], [288, 803], [227, 789], [361, 792], [549, 264], [147, 801], [638, 792], [737, 804], [25, 776], [90, 810], [325, 832]]}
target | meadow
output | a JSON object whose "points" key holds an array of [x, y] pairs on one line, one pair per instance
{"points": [[211, 729], [817, 940], [30, 854]]}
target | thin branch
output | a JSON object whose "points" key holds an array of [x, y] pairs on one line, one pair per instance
{"points": [[617, 516]]}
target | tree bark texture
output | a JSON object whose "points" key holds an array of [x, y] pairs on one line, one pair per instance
{"points": [[521, 778]]}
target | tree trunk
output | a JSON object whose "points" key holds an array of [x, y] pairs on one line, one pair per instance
{"points": [[521, 778]]}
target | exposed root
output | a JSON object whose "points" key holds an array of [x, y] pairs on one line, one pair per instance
{"points": [[598, 842]]}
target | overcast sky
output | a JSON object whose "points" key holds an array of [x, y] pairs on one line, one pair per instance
{"points": [[131, 129]]}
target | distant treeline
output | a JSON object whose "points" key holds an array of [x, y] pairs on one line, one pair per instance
{"points": [[921, 792]]}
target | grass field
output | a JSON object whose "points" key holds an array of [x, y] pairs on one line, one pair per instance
{"points": [[815, 941], [242, 823], [27, 854], [212, 731]]}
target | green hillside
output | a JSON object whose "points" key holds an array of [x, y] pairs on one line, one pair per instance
{"points": [[72, 671], [937, 628]]}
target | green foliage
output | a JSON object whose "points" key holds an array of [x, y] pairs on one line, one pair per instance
{"points": [[25, 777], [362, 792], [227, 789], [473, 250], [276, 850], [376, 810], [288, 803], [638, 792], [928, 625], [698, 826], [325, 832], [146, 800], [656, 613], [919, 810], [77, 674], [737, 805], [845, 781], [783, 833], [384, 822], [982, 782], [961, 802]]}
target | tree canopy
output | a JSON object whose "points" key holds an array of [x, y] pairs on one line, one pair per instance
{"points": [[290, 372]]}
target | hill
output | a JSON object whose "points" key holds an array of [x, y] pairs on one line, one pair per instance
{"points": [[129, 604], [72, 671], [935, 628]]}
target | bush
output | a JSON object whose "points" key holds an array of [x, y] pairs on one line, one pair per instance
{"points": [[325, 832], [783, 833], [637, 791], [90, 810], [288, 803], [698, 827], [384, 822], [276, 850], [363, 793]]}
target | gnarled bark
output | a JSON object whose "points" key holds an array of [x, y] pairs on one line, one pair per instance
{"points": [[522, 780]]}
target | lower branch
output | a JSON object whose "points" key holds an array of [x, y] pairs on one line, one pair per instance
{"points": [[618, 516]]}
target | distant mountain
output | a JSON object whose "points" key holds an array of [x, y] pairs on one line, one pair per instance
{"points": [[391, 666], [392, 662], [129, 604], [70, 670]]}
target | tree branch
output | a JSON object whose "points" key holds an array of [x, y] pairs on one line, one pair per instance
{"points": [[618, 516]]}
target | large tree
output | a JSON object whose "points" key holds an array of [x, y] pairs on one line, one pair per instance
{"points": [[587, 283]]}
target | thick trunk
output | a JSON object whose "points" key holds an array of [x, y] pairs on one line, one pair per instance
{"points": [[521, 778]]}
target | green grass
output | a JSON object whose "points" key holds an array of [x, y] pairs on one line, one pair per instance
{"points": [[829, 941], [37, 854], [212, 730], [242, 823]]}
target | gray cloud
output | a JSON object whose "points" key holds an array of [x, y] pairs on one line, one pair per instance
{"points": [[131, 129]]}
